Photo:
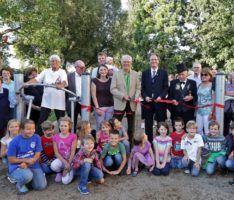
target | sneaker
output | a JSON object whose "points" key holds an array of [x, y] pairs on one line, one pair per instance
{"points": [[187, 171], [142, 125], [58, 178], [13, 181], [21, 189], [231, 182], [83, 190], [134, 174]]}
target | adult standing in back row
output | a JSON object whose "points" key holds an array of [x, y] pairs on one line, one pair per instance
{"points": [[154, 87], [125, 87]]}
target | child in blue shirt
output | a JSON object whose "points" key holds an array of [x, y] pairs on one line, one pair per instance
{"points": [[23, 155]]}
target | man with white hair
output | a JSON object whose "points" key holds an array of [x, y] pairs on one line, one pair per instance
{"points": [[196, 76], [53, 98], [125, 87], [74, 85]]}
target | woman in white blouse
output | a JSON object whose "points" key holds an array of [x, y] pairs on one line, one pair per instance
{"points": [[53, 98]]}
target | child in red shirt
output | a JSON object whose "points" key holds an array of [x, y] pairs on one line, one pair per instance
{"points": [[176, 152], [47, 154]]}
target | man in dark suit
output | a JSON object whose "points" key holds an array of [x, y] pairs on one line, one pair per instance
{"points": [[74, 85], [154, 87], [183, 92]]}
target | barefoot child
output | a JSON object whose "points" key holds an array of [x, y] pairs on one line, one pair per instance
{"points": [[23, 155], [141, 153], [176, 136], [113, 157], [103, 135], [64, 144], [162, 148], [191, 145], [87, 165], [47, 154], [216, 145]]}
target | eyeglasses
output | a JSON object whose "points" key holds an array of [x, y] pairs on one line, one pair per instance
{"points": [[204, 74]]}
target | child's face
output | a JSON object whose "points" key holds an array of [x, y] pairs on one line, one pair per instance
{"points": [[105, 129], [192, 131], [179, 126], [88, 145], [14, 128], [114, 139], [48, 132], [117, 123], [64, 127], [29, 130], [162, 131], [214, 130]]}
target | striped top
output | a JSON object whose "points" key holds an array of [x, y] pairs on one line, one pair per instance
{"points": [[161, 143]]}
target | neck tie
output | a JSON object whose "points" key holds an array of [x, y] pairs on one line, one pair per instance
{"points": [[154, 73]]}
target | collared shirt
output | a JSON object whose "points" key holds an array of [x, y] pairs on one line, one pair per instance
{"points": [[195, 78], [12, 96], [153, 72], [81, 155], [127, 82], [78, 84]]}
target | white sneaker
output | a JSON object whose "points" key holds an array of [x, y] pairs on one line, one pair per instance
{"points": [[187, 171], [142, 125], [13, 181]]}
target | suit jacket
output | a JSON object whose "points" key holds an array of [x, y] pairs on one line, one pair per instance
{"points": [[118, 89], [156, 87], [71, 78], [177, 93]]}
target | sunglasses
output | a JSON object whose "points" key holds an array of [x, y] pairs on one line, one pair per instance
{"points": [[204, 74]]}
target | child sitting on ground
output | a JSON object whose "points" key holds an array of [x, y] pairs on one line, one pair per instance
{"points": [[64, 144], [162, 147], [192, 144], [87, 165], [176, 136], [23, 155], [103, 135], [141, 153], [113, 157], [116, 124], [47, 154], [216, 145]]}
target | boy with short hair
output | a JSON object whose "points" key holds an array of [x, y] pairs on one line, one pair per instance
{"points": [[216, 146], [47, 153], [192, 144], [87, 164], [113, 157], [23, 155], [176, 151]]}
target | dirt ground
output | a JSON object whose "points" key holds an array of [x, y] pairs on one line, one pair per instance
{"points": [[176, 186]]}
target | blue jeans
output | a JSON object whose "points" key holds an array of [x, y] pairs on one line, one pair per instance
{"points": [[230, 164], [88, 172], [24, 176], [164, 171], [107, 115], [46, 168], [176, 162], [126, 145], [190, 165], [211, 166], [116, 159]]}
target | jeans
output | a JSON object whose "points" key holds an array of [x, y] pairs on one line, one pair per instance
{"points": [[116, 159], [88, 172], [176, 162], [46, 168], [107, 115], [24, 176], [230, 164], [190, 165], [211, 166], [126, 145], [164, 171]]}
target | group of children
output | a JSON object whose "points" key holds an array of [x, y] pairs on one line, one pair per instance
{"points": [[87, 154]]}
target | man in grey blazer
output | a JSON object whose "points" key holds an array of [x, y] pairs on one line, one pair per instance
{"points": [[74, 84], [126, 87]]}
